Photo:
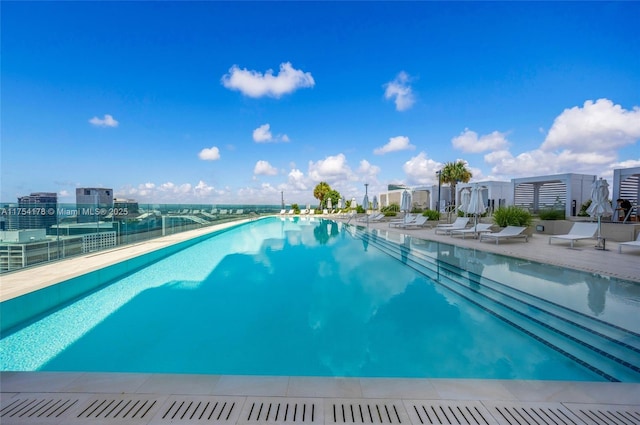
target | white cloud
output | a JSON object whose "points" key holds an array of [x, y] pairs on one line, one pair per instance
{"points": [[368, 172], [263, 134], [296, 180], [264, 168], [398, 143], [468, 141], [330, 169], [209, 154], [421, 169], [400, 90], [582, 140], [597, 126], [256, 84], [203, 190], [170, 192], [539, 162], [107, 121]]}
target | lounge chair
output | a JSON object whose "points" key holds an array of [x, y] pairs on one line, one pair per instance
{"points": [[578, 231], [406, 219], [417, 223], [475, 230], [380, 217], [282, 212], [371, 217], [635, 243], [291, 211], [509, 232], [459, 224], [311, 211]]}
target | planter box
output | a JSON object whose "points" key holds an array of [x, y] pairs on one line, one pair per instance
{"points": [[616, 232]]}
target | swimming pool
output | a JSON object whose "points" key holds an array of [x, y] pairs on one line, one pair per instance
{"points": [[312, 297]]}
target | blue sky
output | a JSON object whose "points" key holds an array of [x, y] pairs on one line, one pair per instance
{"points": [[236, 102]]}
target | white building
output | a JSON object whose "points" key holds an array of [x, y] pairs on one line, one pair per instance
{"points": [[495, 194], [626, 185], [566, 192]]}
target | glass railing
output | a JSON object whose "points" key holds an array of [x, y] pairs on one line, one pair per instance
{"points": [[32, 235]]}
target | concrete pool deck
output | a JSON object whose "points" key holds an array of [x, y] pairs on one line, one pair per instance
{"points": [[105, 398]]}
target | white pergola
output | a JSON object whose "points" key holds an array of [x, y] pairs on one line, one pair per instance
{"points": [[626, 185], [559, 191]]}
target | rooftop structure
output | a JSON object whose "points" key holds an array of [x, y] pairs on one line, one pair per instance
{"points": [[565, 192], [93, 202]]}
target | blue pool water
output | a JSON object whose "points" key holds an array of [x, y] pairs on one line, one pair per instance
{"points": [[318, 298]]}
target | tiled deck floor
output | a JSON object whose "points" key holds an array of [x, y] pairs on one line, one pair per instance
{"points": [[53, 398], [102, 398]]}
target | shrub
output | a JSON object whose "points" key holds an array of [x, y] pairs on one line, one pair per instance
{"points": [[512, 216], [390, 213], [416, 210], [390, 208], [432, 214], [583, 209], [551, 214]]}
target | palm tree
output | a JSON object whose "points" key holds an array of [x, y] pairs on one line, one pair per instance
{"points": [[453, 173], [321, 192]]}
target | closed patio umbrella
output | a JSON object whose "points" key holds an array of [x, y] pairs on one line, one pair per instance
{"points": [[405, 202], [329, 203], [600, 206], [365, 202], [465, 198], [476, 206], [375, 202]]}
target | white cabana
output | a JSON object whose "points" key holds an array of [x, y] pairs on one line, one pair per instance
{"points": [[626, 185], [561, 191]]}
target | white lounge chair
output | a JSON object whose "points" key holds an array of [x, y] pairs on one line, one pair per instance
{"points": [[635, 243], [406, 219], [474, 230], [509, 232], [459, 224], [282, 212], [418, 222], [371, 217], [578, 231]]}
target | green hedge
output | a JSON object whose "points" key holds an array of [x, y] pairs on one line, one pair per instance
{"points": [[512, 216]]}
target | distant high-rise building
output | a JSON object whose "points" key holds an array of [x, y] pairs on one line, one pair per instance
{"points": [[37, 211], [93, 203], [125, 208]]}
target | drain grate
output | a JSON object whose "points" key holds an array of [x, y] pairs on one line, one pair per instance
{"points": [[448, 412], [282, 411], [119, 408], [194, 409], [606, 415], [366, 412], [40, 407], [534, 414]]}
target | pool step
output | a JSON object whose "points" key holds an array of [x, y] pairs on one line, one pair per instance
{"points": [[608, 350]]}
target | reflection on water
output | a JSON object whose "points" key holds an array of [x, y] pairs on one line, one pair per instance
{"points": [[293, 297]]}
